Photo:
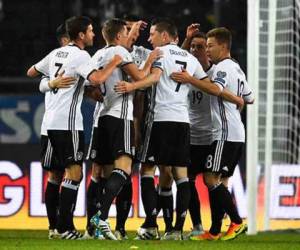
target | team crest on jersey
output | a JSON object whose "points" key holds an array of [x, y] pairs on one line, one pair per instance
{"points": [[79, 155], [221, 74]]}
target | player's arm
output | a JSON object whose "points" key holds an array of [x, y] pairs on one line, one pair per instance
{"points": [[247, 94], [135, 33], [33, 72], [207, 86], [204, 84], [99, 76], [93, 93], [190, 32], [137, 74], [60, 82], [124, 87]]}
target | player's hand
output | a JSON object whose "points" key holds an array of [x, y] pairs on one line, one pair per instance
{"points": [[134, 32], [154, 55], [124, 87], [117, 60], [183, 76], [62, 82], [192, 30]]}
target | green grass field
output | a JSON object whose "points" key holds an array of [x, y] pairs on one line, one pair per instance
{"points": [[18, 239]]}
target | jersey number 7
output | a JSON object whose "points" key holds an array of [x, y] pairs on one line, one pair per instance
{"points": [[183, 64]]}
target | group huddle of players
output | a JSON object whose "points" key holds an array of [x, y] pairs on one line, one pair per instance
{"points": [[173, 108]]}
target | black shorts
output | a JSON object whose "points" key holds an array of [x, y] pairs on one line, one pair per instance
{"points": [[49, 161], [168, 144], [94, 145], [68, 146], [115, 138], [199, 155], [223, 157]]}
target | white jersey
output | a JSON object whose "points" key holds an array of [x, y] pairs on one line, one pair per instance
{"points": [[139, 55], [200, 114], [171, 98], [44, 126], [114, 104], [64, 106], [227, 123]]}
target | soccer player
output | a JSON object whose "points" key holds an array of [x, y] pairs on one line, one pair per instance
{"points": [[168, 117], [115, 126], [170, 114], [201, 122], [48, 161], [64, 118], [228, 135]]}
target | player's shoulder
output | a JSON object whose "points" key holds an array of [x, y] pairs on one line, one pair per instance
{"points": [[140, 49], [120, 49]]}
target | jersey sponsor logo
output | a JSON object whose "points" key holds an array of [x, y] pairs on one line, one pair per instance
{"points": [[221, 74]]}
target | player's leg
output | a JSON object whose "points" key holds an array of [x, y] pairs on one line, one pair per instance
{"points": [[94, 190], [237, 226], [55, 175], [123, 205], [182, 196], [148, 229], [165, 196], [120, 143], [197, 166], [68, 146]]}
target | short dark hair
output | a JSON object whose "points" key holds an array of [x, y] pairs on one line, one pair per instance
{"points": [[130, 18], [199, 34], [77, 24], [165, 24], [61, 31], [222, 35], [111, 28]]}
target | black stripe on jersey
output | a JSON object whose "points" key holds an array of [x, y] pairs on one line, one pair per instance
{"points": [[124, 107], [203, 78], [220, 83], [90, 73], [223, 119], [126, 64], [157, 67], [248, 94], [74, 45], [210, 66], [72, 112], [39, 71], [148, 122]]}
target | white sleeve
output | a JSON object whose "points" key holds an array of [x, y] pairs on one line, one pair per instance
{"points": [[44, 85], [247, 94], [124, 53], [199, 72], [43, 65], [220, 77]]}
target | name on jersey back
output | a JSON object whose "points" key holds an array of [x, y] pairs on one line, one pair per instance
{"points": [[62, 54], [178, 53]]}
